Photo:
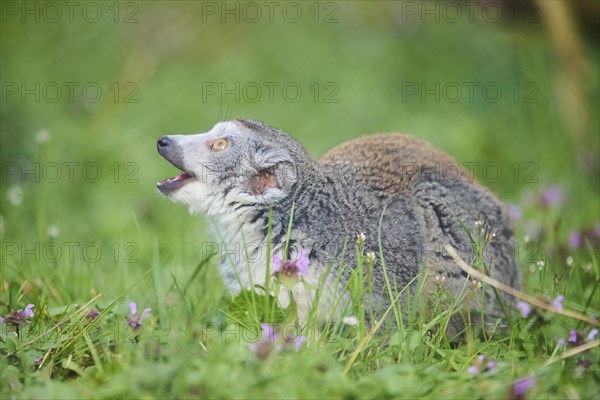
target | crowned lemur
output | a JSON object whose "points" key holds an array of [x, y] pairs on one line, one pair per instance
{"points": [[397, 190]]}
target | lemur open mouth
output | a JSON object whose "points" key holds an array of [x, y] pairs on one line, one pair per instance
{"points": [[168, 148], [170, 184]]}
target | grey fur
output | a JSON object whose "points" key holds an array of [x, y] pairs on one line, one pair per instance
{"points": [[344, 193]]}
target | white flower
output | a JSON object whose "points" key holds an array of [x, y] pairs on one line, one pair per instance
{"points": [[526, 239], [15, 195], [479, 223], [350, 320], [440, 279], [360, 237], [370, 257], [42, 136], [53, 231], [570, 261], [541, 264]]}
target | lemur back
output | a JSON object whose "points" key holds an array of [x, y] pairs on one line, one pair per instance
{"points": [[446, 196]]}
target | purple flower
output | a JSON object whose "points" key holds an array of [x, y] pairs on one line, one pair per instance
{"points": [[93, 314], [525, 308], [560, 342], [135, 320], [558, 302], [299, 342], [27, 312], [277, 262], [514, 212], [573, 336], [483, 363], [295, 340], [521, 386], [291, 268], [575, 239], [269, 332], [592, 334], [266, 343], [584, 363], [18, 317], [552, 196], [271, 340]]}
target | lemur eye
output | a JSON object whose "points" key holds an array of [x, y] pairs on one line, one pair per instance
{"points": [[219, 145]]}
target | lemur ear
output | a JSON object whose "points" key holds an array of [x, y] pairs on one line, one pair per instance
{"points": [[262, 181], [279, 177], [273, 173]]}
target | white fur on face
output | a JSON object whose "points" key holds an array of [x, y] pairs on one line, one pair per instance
{"points": [[200, 195], [206, 195]]}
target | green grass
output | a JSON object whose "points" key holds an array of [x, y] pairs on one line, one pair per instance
{"points": [[196, 342]]}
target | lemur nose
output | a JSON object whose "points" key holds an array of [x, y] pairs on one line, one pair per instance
{"points": [[163, 141]]}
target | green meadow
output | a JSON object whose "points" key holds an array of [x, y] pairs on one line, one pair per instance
{"points": [[510, 91]]}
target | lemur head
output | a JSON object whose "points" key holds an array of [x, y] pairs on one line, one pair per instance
{"points": [[237, 162]]}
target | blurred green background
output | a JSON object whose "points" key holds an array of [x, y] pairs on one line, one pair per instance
{"points": [[510, 89], [362, 67]]}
